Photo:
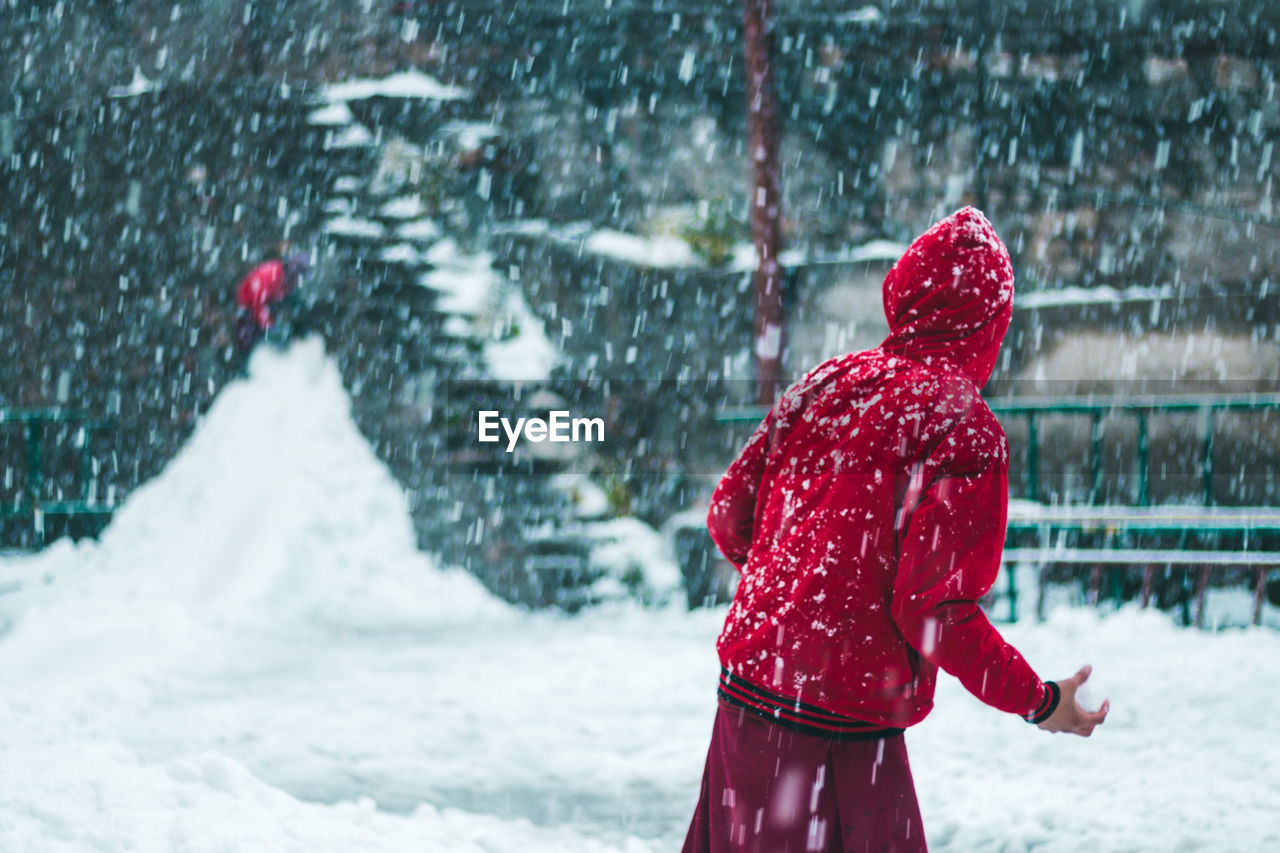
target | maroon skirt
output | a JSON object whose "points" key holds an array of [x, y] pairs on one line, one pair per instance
{"points": [[768, 789]]}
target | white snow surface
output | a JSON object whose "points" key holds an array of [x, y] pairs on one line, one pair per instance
{"points": [[517, 346], [419, 230], [402, 253], [404, 207], [256, 658], [406, 84], [471, 135]]}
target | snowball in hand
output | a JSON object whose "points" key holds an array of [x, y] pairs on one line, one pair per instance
{"points": [[1091, 694]]}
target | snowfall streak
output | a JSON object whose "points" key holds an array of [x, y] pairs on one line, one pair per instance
{"points": [[558, 426]]}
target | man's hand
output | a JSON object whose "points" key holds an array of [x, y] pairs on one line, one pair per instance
{"points": [[1070, 717]]}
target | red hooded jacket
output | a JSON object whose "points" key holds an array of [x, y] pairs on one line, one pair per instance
{"points": [[867, 513], [265, 285]]}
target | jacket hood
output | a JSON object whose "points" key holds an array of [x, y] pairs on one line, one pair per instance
{"points": [[949, 298]]}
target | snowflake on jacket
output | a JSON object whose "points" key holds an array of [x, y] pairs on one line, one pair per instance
{"points": [[867, 511]]}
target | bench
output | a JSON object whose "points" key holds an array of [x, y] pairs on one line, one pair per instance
{"points": [[1119, 528]]}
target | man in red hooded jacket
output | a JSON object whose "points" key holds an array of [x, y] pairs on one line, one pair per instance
{"points": [[867, 516], [266, 285]]}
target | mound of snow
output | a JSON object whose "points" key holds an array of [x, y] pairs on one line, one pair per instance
{"points": [[275, 517]]}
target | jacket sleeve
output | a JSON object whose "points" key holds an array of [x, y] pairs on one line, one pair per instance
{"points": [[949, 555], [731, 517]]}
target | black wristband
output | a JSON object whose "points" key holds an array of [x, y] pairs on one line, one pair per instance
{"points": [[1047, 705]]}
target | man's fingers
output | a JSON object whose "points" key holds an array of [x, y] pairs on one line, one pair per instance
{"points": [[1069, 685], [1089, 720]]}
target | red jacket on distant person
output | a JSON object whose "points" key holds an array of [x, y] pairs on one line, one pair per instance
{"points": [[867, 513], [265, 285]]}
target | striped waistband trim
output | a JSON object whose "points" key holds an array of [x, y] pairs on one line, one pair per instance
{"points": [[796, 715]]}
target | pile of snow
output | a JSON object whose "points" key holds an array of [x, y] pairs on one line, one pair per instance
{"points": [[275, 516]]}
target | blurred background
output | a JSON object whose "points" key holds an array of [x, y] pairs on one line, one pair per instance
{"points": [[539, 203]]}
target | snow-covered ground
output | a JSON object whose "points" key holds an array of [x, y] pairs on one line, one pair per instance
{"points": [[256, 658]]}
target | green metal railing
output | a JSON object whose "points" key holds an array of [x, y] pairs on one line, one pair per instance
{"points": [[1139, 407], [1033, 409], [30, 502]]}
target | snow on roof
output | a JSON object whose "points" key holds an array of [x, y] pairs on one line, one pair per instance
{"points": [[350, 226], [419, 230], [347, 184], [406, 84], [404, 207], [660, 250], [471, 134], [402, 253], [332, 115], [351, 136], [864, 15]]}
